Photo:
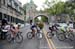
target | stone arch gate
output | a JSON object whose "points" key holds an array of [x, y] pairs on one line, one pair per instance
{"points": [[36, 14], [41, 14], [51, 19]]}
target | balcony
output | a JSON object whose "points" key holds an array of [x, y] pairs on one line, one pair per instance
{"points": [[9, 2]]}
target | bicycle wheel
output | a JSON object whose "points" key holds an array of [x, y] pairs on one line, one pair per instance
{"points": [[19, 38], [71, 36], [8, 37], [61, 36], [29, 35], [49, 35], [39, 35]]}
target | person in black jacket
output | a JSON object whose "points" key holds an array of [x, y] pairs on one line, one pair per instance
{"points": [[4, 22]]}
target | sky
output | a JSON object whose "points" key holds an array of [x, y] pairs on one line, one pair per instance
{"points": [[39, 3]]}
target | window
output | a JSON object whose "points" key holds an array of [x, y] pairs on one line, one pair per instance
{"points": [[4, 2], [16, 6], [10, 1], [0, 16], [0, 3]]}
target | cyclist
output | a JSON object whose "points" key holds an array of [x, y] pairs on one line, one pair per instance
{"points": [[37, 27], [33, 28], [17, 28], [53, 27], [14, 30], [65, 28], [30, 22]]}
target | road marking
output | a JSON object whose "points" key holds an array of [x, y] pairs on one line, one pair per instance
{"points": [[65, 47], [50, 43], [47, 41], [44, 47]]}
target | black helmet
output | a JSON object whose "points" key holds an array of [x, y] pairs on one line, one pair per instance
{"points": [[30, 20], [4, 21]]}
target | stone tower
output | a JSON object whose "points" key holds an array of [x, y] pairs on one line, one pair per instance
{"points": [[30, 10]]}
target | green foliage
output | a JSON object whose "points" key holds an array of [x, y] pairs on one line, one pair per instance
{"points": [[36, 20], [62, 7], [69, 8], [44, 19], [57, 8]]}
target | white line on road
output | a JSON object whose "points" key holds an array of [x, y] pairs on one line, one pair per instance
{"points": [[65, 47], [44, 47]]}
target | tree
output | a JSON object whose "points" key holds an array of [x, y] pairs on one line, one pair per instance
{"points": [[70, 8], [61, 8], [56, 9]]}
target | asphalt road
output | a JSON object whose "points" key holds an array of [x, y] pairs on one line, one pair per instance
{"points": [[26, 44], [34, 43], [67, 44]]}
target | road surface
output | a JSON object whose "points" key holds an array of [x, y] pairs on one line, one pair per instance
{"points": [[34, 43]]}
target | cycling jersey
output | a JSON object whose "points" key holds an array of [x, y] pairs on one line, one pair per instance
{"points": [[65, 28], [32, 26]]}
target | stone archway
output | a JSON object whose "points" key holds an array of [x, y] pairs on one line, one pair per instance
{"points": [[43, 17]]}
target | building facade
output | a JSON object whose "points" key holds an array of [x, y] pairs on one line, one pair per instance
{"points": [[12, 10]]}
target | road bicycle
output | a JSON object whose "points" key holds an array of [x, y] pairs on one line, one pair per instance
{"points": [[38, 34], [17, 38], [52, 30], [66, 34]]}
